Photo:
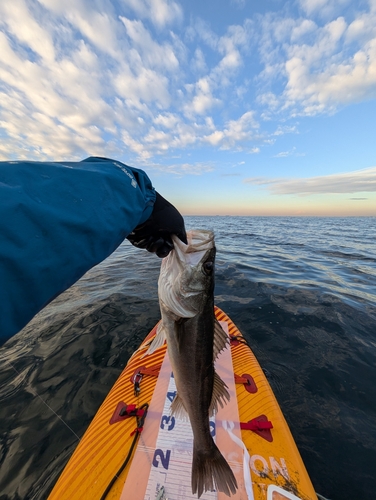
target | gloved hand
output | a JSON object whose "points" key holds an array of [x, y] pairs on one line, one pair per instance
{"points": [[155, 233]]}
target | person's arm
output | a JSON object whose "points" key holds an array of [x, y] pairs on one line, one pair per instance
{"points": [[58, 220]]}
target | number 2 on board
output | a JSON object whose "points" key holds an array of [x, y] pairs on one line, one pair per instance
{"points": [[165, 458]]}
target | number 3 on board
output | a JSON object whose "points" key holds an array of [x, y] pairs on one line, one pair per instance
{"points": [[167, 421]]}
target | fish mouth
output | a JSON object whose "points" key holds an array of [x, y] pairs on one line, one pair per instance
{"points": [[199, 242]]}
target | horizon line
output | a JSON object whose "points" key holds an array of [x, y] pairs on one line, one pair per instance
{"points": [[295, 215]]}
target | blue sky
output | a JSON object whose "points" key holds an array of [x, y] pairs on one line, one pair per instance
{"points": [[231, 106]]}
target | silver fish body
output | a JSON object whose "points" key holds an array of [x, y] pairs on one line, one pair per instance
{"points": [[194, 339]]}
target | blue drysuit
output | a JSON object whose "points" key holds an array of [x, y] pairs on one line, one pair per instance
{"points": [[57, 220]]}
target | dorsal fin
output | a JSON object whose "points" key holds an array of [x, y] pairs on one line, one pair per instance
{"points": [[220, 394], [220, 339]]}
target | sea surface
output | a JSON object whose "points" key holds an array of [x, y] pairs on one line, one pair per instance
{"points": [[301, 290]]}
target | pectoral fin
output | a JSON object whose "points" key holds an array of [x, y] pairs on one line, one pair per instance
{"points": [[158, 340], [220, 339], [220, 394]]}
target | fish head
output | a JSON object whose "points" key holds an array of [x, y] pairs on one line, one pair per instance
{"points": [[186, 280]]}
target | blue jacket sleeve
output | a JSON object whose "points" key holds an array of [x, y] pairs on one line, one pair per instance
{"points": [[57, 220]]}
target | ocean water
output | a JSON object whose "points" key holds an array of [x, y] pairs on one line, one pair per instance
{"points": [[301, 290]]}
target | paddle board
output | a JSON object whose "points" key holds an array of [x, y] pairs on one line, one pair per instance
{"points": [[134, 449]]}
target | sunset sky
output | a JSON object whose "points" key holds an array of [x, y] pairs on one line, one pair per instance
{"points": [[231, 106]]}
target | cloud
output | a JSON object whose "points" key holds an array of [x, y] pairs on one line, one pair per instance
{"points": [[318, 67], [172, 132], [203, 99], [99, 27], [235, 132], [322, 7], [142, 85], [350, 182], [286, 129], [229, 48], [238, 3], [290, 152], [283, 154], [147, 51], [198, 62], [23, 27], [159, 12], [311, 5], [80, 77], [73, 97], [127, 78], [180, 169]]}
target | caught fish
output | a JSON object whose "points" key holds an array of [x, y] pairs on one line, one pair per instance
{"points": [[194, 340]]}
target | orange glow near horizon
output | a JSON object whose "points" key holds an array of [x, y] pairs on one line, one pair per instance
{"points": [[313, 206]]}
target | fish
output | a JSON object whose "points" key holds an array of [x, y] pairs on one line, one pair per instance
{"points": [[194, 339]]}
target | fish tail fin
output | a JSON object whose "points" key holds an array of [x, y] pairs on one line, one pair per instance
{"points": [[211, 471]]}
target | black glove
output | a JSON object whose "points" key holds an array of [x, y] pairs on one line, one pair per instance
{"points": [[155, 233]]}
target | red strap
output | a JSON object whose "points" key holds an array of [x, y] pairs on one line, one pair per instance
{"points": [[234, 340], [248, 381], [131, 411], [143, 370], [124, 411], [151, 370], [256, 425]]}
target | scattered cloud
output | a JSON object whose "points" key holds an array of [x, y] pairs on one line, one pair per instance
{"points": [[128, 78], [322, 7], [283, 154], [180, 169], [286, 129], [99, 78], [318, 67], [159, 12], [290, 152], [198, 61], [239, 3], [235, 132], [356, 181]]}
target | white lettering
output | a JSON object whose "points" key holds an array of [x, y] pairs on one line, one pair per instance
{"points": [[133, 180], [261, 467], [265, 468], [279, 468]]}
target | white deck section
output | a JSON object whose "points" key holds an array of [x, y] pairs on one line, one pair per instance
{"points": [[164, 453], [172, 460]]}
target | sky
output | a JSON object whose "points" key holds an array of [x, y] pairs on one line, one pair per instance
{"points": [[232, 107]]}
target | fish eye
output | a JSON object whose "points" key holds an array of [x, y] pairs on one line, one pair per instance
{"points": [[208, 267]]}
